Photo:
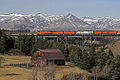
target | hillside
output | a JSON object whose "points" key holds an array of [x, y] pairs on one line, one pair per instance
{"points": [[114, 46], [21, 73]]}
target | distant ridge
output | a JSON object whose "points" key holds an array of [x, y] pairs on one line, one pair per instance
{"points": [[68, 22]]}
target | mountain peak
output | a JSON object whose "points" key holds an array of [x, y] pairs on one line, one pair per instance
{"points": [[108, 16], [69, 15]]}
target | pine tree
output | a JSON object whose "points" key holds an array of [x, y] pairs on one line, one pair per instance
{"points": [[75, 54], [110, 56], [0, 33], [10, 43], [115, 68], [84, 62], [3, 44], [33, 39], [37, 45], [101, 59], [92, 56], [27, 45]]}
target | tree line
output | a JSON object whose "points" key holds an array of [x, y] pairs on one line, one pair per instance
{"points": [[6, 43]]}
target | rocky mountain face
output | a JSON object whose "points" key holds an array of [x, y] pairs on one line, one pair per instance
{"points": [[69, 22]]}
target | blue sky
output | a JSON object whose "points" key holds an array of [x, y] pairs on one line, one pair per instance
{"points": [[80, 8]]}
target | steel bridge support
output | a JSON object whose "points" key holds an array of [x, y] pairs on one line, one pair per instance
{"points": [[65, 38]]}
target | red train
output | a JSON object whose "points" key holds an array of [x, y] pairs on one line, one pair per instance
{"points": [[79, 32]]}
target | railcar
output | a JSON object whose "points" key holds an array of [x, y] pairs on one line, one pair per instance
{"points": [[69, 32], [105, 32], [44, 33], [84, 32], [56, 32], [97, 32], [112, 32]]}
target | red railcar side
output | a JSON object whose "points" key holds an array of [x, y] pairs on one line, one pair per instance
{"points": [[105, 32], [44, 32], [112, 32], [69, 32], [57, 32], [97, 32]]}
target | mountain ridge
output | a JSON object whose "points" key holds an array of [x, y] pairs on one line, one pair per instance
{"points": [[68, 22]]}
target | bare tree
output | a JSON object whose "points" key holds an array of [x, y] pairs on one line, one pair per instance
{"points": [[75, 76], [95, 70], [84, 76], [50, 72], [34, 73]]}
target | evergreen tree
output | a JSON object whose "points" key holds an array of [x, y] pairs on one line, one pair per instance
{"points": [[101, 59], [3, 44], [75, 54], [115, 68], [6, 43], [24, 43], [84, 62], [110, 56], [10, 43], [27, 45], [92, 57], [33, 40], [37, 45], [0, 33]]}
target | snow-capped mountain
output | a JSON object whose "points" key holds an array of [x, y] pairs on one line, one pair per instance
{"points": [[18, 21], [68, 22], [100, 23], [90, 20]]}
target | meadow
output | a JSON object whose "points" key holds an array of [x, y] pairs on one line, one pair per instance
{"points": [[11, 70]]}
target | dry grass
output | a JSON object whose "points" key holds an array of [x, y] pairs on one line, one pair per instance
{"points": [[17, 73], [114, 46], [14, 73]]}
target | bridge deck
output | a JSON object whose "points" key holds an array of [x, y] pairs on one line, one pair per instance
{"points": [[66, 34]]}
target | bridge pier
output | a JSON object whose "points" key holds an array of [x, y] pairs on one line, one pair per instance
{"points": [[83, 41]]}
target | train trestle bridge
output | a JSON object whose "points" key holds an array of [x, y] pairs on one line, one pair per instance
{"points": [[65, 37]]}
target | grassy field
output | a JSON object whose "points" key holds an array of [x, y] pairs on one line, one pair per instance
{"points": [[18, 73]]}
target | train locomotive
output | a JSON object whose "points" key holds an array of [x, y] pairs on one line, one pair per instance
{"points": [[78, 32]]}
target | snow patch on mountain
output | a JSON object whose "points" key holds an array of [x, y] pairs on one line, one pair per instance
{"points": [[90, 20]]}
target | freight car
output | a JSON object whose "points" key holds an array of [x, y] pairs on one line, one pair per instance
{"points": [[56, 32], [84, 32], [105, 32]]}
